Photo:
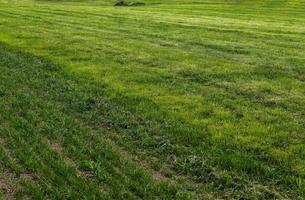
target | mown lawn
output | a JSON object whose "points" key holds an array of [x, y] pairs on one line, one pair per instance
{"points": [[175, 99]]}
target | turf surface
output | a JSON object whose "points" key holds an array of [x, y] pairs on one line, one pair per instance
{"points": [[173, 99]]}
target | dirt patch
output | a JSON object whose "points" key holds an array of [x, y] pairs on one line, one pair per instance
{"points": [[6, 187], [269, 191], [156, 175], [28, 176], [56, 147], [6, 190], [125, 3]]}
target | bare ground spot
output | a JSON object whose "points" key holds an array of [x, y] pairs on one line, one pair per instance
{"points": [[6, 185], [27, 176], [156, 175], [275, 194], [57, 147], [124, 154], [159, 175], [9, 180]]}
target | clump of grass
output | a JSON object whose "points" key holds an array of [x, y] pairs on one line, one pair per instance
{"points": [[125, 3]]}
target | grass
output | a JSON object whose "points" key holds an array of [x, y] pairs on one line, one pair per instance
{"points": [[171, 100]]}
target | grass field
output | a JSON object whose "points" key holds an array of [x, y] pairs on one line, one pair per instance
{"points": [[176, 99]]}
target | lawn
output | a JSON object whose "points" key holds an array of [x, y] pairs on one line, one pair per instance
{"points": [[174, 99]]}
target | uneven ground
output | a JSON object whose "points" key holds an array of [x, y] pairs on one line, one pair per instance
{"points": [[176, 99]]}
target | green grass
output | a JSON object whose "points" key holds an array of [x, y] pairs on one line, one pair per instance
{"points": [[171, 100]]}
